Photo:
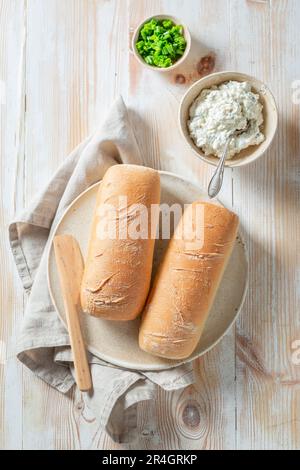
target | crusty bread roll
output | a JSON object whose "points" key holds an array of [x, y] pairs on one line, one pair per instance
{"points": [[118, 268], [187, 281]]}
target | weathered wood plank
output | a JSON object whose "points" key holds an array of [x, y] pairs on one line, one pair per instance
{"points": [[265, 196], [12, 40], [76, 62]]}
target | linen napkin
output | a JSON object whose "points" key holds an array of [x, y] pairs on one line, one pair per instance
{"points": [[43, 342]]}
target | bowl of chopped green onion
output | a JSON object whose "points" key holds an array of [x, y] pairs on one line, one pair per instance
{"points": [[161, 43]]}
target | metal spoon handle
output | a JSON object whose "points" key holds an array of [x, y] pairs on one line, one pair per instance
{"points": [[217, 178]]}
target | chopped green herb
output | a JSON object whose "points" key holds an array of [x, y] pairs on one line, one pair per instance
{"points": [[161, 43]]}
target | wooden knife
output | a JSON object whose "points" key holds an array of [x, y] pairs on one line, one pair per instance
{"points": [[70, 268]]}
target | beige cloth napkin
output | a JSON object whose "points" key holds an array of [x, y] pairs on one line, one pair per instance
{"points": [[43, 343]]}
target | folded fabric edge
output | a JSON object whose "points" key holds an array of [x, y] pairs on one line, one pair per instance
{"points": [[61, 382], [179, 380], [52, 342], [63, 385], [20, 259], [130, 417], [115, 396]]}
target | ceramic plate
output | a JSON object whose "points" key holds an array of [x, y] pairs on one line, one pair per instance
{"points": [[117, 342]]}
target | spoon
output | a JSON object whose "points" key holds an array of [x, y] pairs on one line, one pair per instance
{"points": [[217, 178]]}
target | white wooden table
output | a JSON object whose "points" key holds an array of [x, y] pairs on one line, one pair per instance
{"points": [[62, 62]]}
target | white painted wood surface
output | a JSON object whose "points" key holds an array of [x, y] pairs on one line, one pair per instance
{"points": [[61, 64]]}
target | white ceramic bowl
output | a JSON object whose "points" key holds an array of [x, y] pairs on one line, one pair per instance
{"points": [[270, 116], [186, 35]]}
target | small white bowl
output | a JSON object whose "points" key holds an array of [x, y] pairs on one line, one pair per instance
{"points": [[270, 115], [186, 35]]}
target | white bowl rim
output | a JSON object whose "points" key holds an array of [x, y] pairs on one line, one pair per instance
{"points": [[229, 163], [179, 61]]}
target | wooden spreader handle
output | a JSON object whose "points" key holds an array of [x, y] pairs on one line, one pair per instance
{"points": [[70, 268]]}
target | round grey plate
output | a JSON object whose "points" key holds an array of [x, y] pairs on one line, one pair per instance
{"points": [[117, 342]]}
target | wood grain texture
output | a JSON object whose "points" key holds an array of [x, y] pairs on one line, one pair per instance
{"points": [[62, 63], [12, 41], [270, 322]]}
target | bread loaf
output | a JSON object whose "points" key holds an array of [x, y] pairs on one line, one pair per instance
{"points": [[187, 281], [118, 268]]}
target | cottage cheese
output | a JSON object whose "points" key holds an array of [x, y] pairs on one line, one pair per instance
{"points": [[220, 110]]}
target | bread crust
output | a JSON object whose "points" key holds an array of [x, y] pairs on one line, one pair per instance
{"points": [[187, 281], [117, 273]]}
